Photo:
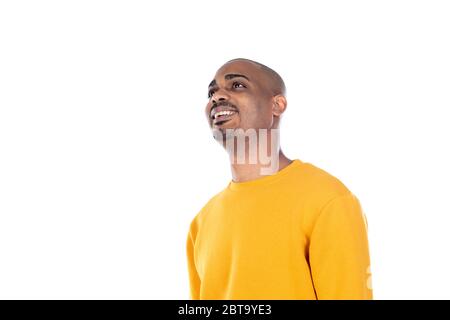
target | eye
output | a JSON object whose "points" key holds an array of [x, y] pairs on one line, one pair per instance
{"points": [[237, 85], [210, 93]]}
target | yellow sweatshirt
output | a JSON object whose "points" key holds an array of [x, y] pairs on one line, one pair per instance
{"points": [[297, 234]]}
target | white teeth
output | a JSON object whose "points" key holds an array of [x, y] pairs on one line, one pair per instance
{"points": [[223, 113]]}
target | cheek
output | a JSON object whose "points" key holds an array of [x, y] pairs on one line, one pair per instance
{"points": [[207, 108], [260, 115]]}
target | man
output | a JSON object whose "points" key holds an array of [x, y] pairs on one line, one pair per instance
{"points": [[282, 228]]}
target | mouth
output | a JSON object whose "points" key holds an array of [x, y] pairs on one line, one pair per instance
{"points": [[222, 117]]}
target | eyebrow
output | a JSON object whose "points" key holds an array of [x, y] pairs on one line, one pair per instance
{"points": [[229, 77]]}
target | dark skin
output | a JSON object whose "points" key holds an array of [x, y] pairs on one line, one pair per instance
{"points": [[259, 100]]}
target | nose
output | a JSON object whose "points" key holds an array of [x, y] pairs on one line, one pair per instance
{"points": [[219, 95]]}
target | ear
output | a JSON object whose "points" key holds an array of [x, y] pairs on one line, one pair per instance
{"points": [[279, 105]]}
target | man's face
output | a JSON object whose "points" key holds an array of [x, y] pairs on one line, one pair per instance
{"points": [[239, 97]]}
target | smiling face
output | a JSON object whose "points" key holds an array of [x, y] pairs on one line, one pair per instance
{"points": [[242, 95]]}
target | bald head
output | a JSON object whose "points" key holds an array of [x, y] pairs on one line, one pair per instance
{"points": [[273, 79], [253, 91]]}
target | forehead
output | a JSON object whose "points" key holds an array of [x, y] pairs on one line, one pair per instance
{"points": [[239, 67]]}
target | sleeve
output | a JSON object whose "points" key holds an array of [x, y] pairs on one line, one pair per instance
{"points": [[339, 251], [194, 279]]}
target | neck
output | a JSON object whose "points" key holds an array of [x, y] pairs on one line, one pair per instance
{"points": [[246, 172], [257, 154]]}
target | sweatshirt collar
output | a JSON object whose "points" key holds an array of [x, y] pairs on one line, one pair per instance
{"points": [[264, 180]]}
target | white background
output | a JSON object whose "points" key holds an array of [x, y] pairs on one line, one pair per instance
{"points": [[106, 156]]}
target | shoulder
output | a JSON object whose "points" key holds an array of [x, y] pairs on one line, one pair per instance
{"points": [[203, 212], [319, 183], [322, 192]]}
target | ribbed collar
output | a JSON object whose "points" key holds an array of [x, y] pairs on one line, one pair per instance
{"points": [[264, 180]]}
